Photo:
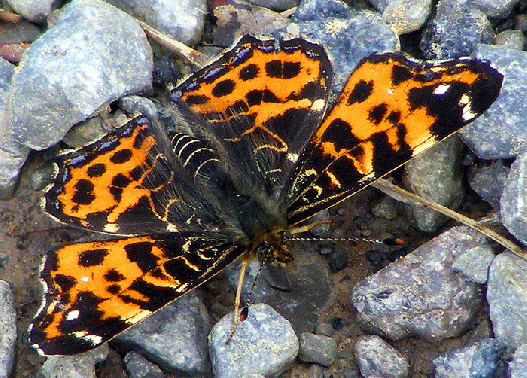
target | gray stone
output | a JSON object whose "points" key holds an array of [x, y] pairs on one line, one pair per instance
{"points": [[406, 16], [264, 343], [380, 5], [500, 132], [317, 348], [235, 19], [385, 208], [12, 154], [314, 10], [513, 39], [309, 277], [182, 20], [513, 206], [455, 30], [496, 8], [42, 176], [139, 367], [88, 131], [521, 22], [325, 329], [37, 11], [378, 358], [348, 38], [6, 72], [277, 5], [315, 371], [518, 365], [7, 330], [488, 180], [174, 338], [93, 55], [131, 104], [484, 359], [435, 175], [474, 263], [507, 298], [78, 366], [420, 294]]}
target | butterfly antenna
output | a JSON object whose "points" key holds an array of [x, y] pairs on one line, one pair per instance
{"points": [[387, 241]]}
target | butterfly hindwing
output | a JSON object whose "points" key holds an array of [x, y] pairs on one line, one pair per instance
{"points": [[391, 109], [95, 290]]}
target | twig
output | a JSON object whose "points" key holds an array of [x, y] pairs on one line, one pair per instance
{"points": [[511, 246], [190, 55]]}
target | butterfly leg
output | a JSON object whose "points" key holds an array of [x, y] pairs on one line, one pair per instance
{"points": [[243, 269]]}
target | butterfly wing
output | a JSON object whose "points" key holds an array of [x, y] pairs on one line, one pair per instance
{"points": [[391, 109], [95, 290], [129, 180], [264, 100]]}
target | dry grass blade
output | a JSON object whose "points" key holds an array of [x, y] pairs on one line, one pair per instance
{"points": [[387, 186], [190, 55]]}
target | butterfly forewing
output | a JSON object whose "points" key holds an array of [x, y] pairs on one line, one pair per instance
{"points": [[391, 109], [264, 100]]}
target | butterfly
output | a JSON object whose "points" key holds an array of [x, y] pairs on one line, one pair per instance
{"points": [[252, 151]]}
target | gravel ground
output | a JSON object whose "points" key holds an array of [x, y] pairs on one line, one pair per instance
{"points": [[444, 306]]}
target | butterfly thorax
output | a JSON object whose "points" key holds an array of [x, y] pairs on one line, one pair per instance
{"points": [[259, 220]]}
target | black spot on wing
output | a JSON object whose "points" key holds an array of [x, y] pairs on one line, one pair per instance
{"points": [[385, 158], [339, 133], [223, 88], [290, 70], [445, 109], [65, 282], [196, 100], [360, 92], [120, 181], [84, 194], [273, 68], [156, 296], [181, 271], [345, 172], [121, 156], [96, 170], [92, 257], [376, 115], [249, 72], [141, 254], [400, 74], [113, 276]]}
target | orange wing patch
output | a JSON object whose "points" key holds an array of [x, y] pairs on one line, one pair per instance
{"points": [[412, 104], [121, 182], [98, 188], [262, 98]]}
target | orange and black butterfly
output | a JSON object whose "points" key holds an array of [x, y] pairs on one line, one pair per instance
{"points": [[254, 154]]}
